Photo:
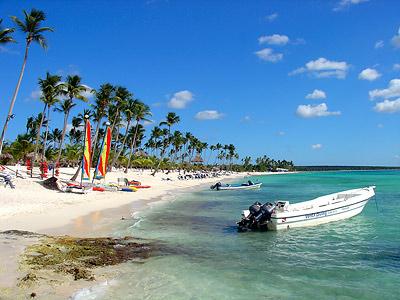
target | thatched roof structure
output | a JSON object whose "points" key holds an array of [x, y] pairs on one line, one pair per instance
{"points": [[197, 159], [141, 153]]}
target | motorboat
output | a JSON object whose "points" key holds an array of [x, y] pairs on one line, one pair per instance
{"points": [[284, 215], [233, 187]]}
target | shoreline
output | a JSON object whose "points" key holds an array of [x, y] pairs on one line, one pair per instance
{"points": [[91, 215]]}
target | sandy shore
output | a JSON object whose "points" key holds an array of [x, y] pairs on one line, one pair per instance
{"points": [[32, 207]]}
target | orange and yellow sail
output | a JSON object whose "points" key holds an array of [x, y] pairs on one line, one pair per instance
{"points": [[104, 154], [86, 152]]}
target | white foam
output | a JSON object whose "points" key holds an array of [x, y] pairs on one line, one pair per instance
{"points": [[93, 292]]}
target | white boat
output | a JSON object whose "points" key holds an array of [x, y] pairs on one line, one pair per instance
{"points": [[324, 209], [233, 187]]}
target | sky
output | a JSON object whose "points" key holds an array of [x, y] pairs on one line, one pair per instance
{"points": [[316, 82]]}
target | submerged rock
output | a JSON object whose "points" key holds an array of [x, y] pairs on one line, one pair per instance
{"points": [[77, 256]]}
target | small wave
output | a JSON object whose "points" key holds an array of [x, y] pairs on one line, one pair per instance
{"points": [[93, 292]]}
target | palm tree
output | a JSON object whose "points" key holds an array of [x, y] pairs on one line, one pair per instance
{"points": [[55, 136], [129, 110], [34, 33], [142, 111], [170, 120], [50, 88], [103, 98], [5, 34], [73, 89], [122, 96]]}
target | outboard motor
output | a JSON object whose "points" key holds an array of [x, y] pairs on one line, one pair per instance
{"points": [[216, 186], [257, 217]]}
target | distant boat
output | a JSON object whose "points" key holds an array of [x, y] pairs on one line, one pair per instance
{"points": [[232, 187], [324, 209]]}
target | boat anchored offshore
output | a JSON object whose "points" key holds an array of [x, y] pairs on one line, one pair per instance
{"points": [[232, 187], [324, 209]]}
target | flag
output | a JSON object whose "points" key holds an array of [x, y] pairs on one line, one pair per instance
{"points": [[86, 152], [104, 154]]}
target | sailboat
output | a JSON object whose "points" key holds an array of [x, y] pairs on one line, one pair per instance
{"points": [[102, 163], [86, 161]]}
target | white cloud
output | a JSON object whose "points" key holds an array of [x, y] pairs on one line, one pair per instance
{"points": [[317, 110], [316, 94], [396, 67], [246, 119], [396, 40], [148, 123], [8, 51], [268, 54], [272, 17], [379, 44], [180, 99], [397, 156], [393, 90], [369, 74], [342, 4], [209, 115], [36, 94], [380, 125], [316, 146], [88, 93], [323, 67], [281, 133], [388, 106], [275, 39]]}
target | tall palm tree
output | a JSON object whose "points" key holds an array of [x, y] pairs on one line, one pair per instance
{"points": [[50, 88], [34, 33], [142, 112], [122, 95], [73, 89], [171, 119], [129, 110], [5, 34], [103, 98]]}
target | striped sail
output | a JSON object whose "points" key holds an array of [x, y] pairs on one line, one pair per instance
{"points": [[86, 153], [104, 154]]}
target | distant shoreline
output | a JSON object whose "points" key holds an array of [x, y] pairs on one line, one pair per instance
{"points": [[345, 168]]}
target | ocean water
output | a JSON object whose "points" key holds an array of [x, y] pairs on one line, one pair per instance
{"points": [[204, 257]]}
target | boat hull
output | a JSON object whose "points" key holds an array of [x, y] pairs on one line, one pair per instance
{"points": [[319, 217], [241, 187]]}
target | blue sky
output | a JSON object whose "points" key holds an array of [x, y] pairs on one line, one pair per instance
{"points": [[235, 71]]}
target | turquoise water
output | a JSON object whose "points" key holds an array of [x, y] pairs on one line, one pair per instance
{"points": [[206, 258]]}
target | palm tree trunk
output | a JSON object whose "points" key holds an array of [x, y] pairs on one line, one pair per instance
{"points": [[73, 178], [47, 131], [9, 115], [132, 147], [63, 135], [122, 146], [38, 132], [114, 121]]}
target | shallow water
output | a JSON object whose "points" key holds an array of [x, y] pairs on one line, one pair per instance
{"points": [[358, 258]]}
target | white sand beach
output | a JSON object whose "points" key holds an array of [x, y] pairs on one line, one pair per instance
{"points": [[32, 207]]}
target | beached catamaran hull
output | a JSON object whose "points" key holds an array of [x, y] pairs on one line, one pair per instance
{"points": [[324, 209]]}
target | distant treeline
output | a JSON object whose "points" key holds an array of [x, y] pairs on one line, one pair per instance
{"points": [[338, 168]]}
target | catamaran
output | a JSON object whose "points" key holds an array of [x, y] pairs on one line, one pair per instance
{"points": [[284, 215]]}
